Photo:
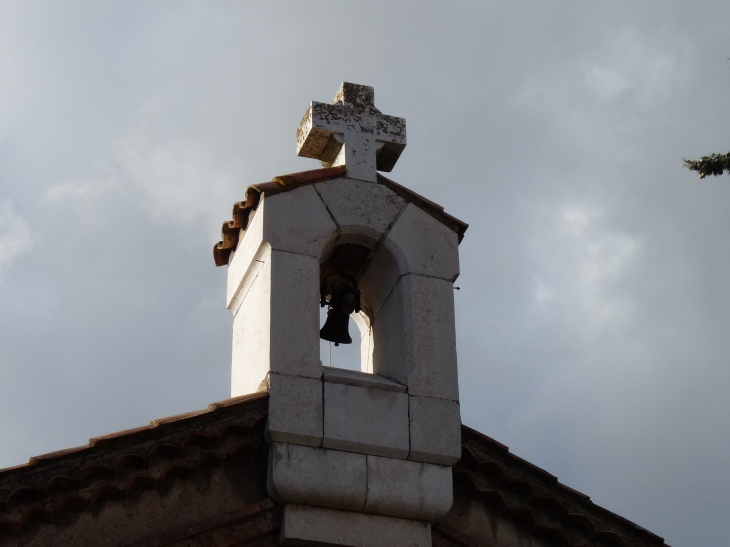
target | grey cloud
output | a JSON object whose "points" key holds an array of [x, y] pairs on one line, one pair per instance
{"points": [[595, 303]]}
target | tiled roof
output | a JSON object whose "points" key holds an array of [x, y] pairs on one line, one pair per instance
{"points": [[54, 490], [231, 231], [253, 524], [510, 487], [58, 487]]}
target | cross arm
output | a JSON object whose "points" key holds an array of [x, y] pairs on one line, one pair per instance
{"points": [[320, 132], [390, 131]]}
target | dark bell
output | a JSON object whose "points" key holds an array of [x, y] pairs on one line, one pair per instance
{"points": [[335, 329], [344, 300]]}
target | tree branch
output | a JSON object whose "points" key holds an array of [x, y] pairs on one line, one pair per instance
{"points": [[714, 164]]}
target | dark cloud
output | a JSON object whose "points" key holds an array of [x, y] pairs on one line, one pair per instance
{"points": [[595, 299]]}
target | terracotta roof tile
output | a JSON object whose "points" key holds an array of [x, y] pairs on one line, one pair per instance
{"points": [[53, 455], [178, 417], [257, 519], [124, 433], [492, 442], [240, 399], [308, 177], [521, 490], [453, 533], [242, 210], [125, 463]]}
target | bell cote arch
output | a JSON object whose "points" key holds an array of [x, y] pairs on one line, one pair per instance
{"points": [[406, 283]]}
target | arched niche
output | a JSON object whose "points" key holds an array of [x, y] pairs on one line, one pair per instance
{"points": [[407, 287], [374, 268]]}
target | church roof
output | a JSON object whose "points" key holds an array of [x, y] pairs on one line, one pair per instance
{"points": [[206, 472], [511, 487], [160, 484], [242, 210]]}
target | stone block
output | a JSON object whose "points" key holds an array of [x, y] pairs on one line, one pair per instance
{"points": [[360, 207], [267, 335], [430, 337], [358, 156], [365, 420], [405, 489], [297, 221], [295, 410], [378, 280], [389, 338], [361, 379], [303, 525], [251, 334], [435, 430], [415, 337], [294, 314], [317, 476], [423, 245]]}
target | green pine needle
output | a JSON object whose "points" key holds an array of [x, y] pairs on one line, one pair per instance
{"points": [[714, 165]]}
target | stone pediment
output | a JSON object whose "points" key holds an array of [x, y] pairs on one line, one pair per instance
{"points": [[232, 230]]}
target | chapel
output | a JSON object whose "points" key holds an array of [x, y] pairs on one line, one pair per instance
{"points": [[304, 453]]}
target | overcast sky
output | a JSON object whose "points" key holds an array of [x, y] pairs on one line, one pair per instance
{"points": [[593, 318]]}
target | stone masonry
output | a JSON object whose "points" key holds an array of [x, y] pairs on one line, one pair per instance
{"points": [[358, 458]]}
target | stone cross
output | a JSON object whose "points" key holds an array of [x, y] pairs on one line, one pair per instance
{"points": [[352, 132]]}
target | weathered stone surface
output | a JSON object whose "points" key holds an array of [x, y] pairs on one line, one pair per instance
{"points": [[351, 131], [251, 328], [295, 410], [267, 335], [423, 245], [435, 430], [365, 420], [405, 489], [317, 476], [294, 312], [415, 337], [378, 280], [416, 244], [430, 337], [389, 338], [358, 207], [297, 221], [303, 525], [361, 379]]}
